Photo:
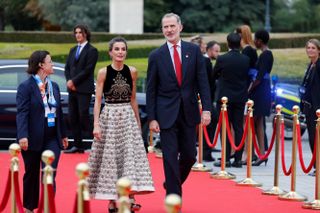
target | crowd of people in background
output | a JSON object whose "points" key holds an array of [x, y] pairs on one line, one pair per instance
{"points": [[178, 72]]}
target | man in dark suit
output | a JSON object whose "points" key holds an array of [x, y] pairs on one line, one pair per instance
{"points": [[231, 70], [176, 74], [79, 72]]}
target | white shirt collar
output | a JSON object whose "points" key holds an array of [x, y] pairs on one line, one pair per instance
{"points": [[83, 44], [170, 45]]}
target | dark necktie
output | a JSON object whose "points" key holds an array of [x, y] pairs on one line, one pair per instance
{"points": [[177, 64], [78, 52]]}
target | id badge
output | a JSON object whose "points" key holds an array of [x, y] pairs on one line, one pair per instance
{"points": [[51, 120]]}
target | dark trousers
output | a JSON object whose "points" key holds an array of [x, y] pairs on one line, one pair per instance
{"points": [[31, 178], [79, 116], [178, 145], [311, 118], [235, 114]]}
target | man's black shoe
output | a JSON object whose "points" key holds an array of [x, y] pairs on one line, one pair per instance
{"points": [[74, 150], [164, 185], [218, 164], [237, 164], [208, 158], [216, 150], [312, 174]]}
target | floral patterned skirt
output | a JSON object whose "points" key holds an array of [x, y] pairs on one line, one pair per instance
{"points": [[120, 153]]}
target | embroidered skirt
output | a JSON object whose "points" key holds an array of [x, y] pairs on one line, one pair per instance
{"points": [[120, 153]]}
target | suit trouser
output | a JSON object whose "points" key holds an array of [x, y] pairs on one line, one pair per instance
{"points": [[235, 114], [79, 116], [178, 145], [311, 118], [31, 178]]}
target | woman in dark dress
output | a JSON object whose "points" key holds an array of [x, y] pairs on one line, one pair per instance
{"points": [[117, 149], [248, 49], [260, 90], [309, 90]]}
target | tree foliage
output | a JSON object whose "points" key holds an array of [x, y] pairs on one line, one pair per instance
{"points": [[67, 13], [210, 16], [14, 13], [296, 15]]}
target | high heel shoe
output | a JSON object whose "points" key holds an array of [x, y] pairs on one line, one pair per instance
{"points": [[112, 208], [258, 162], [134, 206]]}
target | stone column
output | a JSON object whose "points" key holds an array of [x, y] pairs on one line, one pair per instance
{"points": [[126, 16]]}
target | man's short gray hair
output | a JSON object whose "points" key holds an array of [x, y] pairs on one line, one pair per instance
{"points": [[168, 15]]}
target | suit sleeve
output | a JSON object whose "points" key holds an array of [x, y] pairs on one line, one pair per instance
{"points": [[217, 69], [67, 66], [203, 83], [151, 87], [61, 120], [89, 67], [23, 111]]}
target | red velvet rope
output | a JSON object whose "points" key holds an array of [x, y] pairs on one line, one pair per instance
{"points": [[244, 136], [255, 144], [86, 206], [40, 205], [304, 169], [283, 163], [17, 191], [6, 195], [52, 206], [205, 132]]}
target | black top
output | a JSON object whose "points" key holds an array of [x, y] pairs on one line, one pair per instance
{"points": [[252, 54], [117, 87], [307, 83], [264, 64]]}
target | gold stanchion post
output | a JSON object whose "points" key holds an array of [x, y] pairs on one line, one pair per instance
{"points": [[173, 203], [14, 150], [150, 147], [124, 189], [316, 203], [223, 174], [82, 171], [48, 158], [293, 195], [248, 181], [199, 166], [275, 190]]}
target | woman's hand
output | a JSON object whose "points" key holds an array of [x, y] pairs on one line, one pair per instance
{"points": [[97, 132], [65, 143], [23, 142]]}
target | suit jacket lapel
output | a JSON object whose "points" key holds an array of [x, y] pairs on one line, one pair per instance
{"points": [[36, 91], [185, 57], [165, 53]]}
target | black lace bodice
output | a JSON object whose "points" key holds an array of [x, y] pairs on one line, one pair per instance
{"points": [[118, 85]]}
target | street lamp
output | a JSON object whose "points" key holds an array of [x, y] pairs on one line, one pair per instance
{"points": [[267, 26]]}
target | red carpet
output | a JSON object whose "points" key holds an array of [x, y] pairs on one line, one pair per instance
{"points": [[201, 193]]}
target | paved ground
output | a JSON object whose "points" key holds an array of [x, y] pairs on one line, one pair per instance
{"points": [[305, 184]]}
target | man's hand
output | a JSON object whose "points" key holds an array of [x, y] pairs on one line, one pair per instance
{"points": [[97, 132], [205, 118], [23, 142], [65, 143], [71, 85], [154, 126]]}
